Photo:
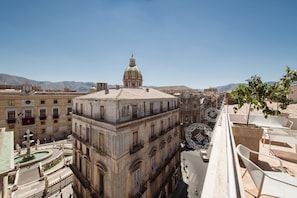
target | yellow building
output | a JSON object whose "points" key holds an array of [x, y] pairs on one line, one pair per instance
{"points": [[126, 141], [46, 114]]}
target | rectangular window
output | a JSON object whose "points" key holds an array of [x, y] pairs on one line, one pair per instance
{"points": [[87, 134], [55, 121], [55, 101], [101, 112], [81, 108], [42, 101], [11, 115], [135, 138], [101, 184], [136, 179], [55, 113], [152, 108], [80, 130], [101, 141], [42, 122], [88, 152], [69, 101], [42, 114], [153, 162], [69, 110], [153, 130], [161, 106], [10, 102], [43, 130], [134, 111], [28, 114]]}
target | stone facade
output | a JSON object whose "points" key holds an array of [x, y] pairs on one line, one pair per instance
{"points": [[126, 143], [45, 114]]}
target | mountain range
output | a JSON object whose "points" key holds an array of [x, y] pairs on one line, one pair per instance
{"points": [[6, 79]]}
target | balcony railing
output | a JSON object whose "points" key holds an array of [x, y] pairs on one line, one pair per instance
{"points": [[99, 150], [136, 147], [55, 116], [28, 121], [139, 116], [42, 117], [11, 121], [79, 176], [161, 168], [223, 174], [153, 138], [81, 139]]}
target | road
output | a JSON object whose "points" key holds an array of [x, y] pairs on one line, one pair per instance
{"points": [[193, 171]]}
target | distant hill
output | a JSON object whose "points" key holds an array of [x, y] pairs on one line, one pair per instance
{"points": [[84, 86], [227, 88], [46, 85]]}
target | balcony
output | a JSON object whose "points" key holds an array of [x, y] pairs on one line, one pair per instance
{"points": [[153, 138], [81, 139], [42, 117], [28, 121], [55, 116], [135, 148], [99, 150], [11, 121], [84, 181], [161, 168]]}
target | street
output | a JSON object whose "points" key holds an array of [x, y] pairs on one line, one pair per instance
{"points": [[193, 172]]}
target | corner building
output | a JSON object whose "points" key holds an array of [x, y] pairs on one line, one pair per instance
{"points": [[126, 142]]}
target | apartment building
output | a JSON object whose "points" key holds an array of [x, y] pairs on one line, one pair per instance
{"points": [[126, 141], [47, 114]]}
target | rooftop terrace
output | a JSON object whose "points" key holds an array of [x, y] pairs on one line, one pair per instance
{"points": [[224, 175]]}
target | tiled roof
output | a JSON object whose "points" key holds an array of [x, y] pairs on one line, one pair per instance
{"points": [[127, 93]]}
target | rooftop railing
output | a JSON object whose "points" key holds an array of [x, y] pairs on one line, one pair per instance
{"points": [[223, 175]]}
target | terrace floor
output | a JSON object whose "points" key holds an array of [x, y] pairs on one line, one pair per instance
{"points": [[286, 152], [280, 150]]}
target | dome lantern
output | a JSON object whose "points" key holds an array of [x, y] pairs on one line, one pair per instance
{"points": [[132, 76]]}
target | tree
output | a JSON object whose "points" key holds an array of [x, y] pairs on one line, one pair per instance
{"points": [[259, 95]]}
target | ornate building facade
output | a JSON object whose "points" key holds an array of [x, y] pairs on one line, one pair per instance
{"points": [[126, 141], [46, 114]]}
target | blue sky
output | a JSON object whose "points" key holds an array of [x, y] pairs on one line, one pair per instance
{"points": [[195, 43]]}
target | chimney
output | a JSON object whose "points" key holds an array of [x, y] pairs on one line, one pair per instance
{"points": [[117, 87], [101, 86], [147, 90], [106, 91]]}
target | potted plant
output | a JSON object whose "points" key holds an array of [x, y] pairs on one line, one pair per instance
{"points": [[258, 96]]}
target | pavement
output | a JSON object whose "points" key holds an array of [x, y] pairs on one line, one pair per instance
{"points": [[59, 178]]}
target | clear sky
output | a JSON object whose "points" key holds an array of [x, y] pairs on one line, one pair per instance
{"points": [[196, 43]]}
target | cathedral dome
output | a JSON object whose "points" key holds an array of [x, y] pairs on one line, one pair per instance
{"points": [[132, 76]]}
